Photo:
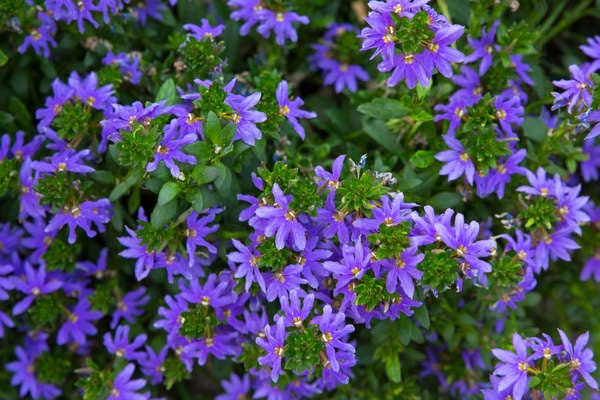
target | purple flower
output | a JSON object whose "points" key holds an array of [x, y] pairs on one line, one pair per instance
{"points": [[591, 267], [282, 222], [403, 270], [235, 388], [334, 335], [580, 358], [152, 365], [121, 118], [592, 48], [129, 64], [82, 215], [294, 313], [331, 179], [274, 344], [130, 307], [87, 91], [120, 345], [246, 10], [440, 51], [244, 117], [125, 388], [146, 259], [483, 48], [33, 284], [457, 160], [281, 23], [40, 38], [204, 31], [67, 160], [463, 241], [577, 91], [291, 108], [169, 151], [197, 231], [247, 265], [281, 282], [513, 368], [79, 323], [388, 214], [456, 110], [24, 375], [508, 111]]}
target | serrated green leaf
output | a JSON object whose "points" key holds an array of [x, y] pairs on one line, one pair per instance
{"points": [[168, 192], [167, 92]]}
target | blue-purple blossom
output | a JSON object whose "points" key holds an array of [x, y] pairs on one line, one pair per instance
{"points": [[24, 375], [484, 48], [514, 368], [82, 215], [462, 239], [34, 284], [244, 116], [281, 221], [170, 150], [130, 307], [204, 31], [129, 64], [580, 358], [123, 387], [79, 324], [290, 109], [274, 345], [334, 335], [120, 345]]}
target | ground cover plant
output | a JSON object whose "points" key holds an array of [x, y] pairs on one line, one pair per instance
{"points": [[299, 199]]}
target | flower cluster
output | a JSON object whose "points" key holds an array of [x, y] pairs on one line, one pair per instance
{"points": [[336, 58], [268, 19], [544, 370], [412, 39]]}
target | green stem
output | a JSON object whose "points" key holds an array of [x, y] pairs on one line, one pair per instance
{"points": [[549, 30]]}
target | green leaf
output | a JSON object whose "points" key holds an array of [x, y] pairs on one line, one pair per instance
{"points": [[133, 178], [422, 158], [20, 111], [167, 92], [168, 192], [198, 201], [162, 214], [204, 174], [3, 59], [445, 200], [535, 129], [105, 177], [212, 130], [393, 368], [422, 315], [383, 109], [379, 132]]}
